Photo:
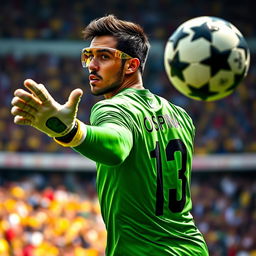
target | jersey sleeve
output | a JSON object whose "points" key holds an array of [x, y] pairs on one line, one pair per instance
{"points": [[109, 137]]}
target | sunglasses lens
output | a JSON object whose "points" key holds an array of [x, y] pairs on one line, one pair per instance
{"points": [[85, 60]]}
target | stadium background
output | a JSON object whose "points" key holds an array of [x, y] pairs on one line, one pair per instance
{"points": [[48, 204]]}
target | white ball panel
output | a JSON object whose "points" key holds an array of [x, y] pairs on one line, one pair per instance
{"points": [[169, 51], [237, 60], [197, 74], [225, 39], [194, 51]]}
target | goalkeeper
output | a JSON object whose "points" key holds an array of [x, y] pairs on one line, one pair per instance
{"points": [[141, 143]]}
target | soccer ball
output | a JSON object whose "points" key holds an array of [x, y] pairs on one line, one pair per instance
{"points": [[206, 58]]}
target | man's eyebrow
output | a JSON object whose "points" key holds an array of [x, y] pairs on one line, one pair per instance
{"points": [[90, 50], [104, 50]]}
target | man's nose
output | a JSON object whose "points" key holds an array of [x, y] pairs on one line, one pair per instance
{"points": [[93, 64]]}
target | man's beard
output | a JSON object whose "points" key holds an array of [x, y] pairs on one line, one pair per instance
{"points": [[109, 89], [112, 87]]}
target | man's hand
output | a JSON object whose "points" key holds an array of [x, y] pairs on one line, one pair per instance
{"points": [[40, 110]]}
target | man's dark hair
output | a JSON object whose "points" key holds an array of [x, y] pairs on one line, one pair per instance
{"points": [[130, 36]]}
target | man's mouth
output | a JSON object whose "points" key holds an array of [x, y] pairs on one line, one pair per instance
{"points": [[93, 78]]}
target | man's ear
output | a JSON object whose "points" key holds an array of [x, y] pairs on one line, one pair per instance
{"points": [[132, 66]]}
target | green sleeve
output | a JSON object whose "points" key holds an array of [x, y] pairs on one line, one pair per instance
{"points": [[108, 144]]}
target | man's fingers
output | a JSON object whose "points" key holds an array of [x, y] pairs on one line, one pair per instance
{"points": [[16, 101], [28, 98], [18, 112], [37, 89], [22, 121], [74, 98]]}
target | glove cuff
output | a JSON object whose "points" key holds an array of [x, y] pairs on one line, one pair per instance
{"points": [[75, 137]]}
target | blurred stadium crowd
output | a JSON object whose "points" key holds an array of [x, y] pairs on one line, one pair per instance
{"points": [[58, 215], [53, 19], [42, 216]]}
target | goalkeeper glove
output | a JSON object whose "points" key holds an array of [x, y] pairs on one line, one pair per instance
{"points": [[40, 110]]}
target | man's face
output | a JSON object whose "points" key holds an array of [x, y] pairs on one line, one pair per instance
{"points": [[105, 69]]}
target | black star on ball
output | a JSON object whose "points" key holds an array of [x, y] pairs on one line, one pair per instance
{"points": [[202, 93], [178, 66], [217, 61], [177, 36], [202, 31]]}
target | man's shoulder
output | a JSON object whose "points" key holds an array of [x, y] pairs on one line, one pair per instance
{"points": [[107, 104], [120, 100]]}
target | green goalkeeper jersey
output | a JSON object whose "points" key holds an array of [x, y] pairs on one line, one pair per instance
{"points": [[143, 147]]}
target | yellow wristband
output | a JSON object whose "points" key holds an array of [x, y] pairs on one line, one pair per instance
{"points": [[78, 138]]}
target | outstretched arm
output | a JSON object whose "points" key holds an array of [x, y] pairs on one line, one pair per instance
{"points": [[108, 144]]}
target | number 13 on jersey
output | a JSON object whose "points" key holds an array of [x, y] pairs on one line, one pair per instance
{"points": [[174, 204]]}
